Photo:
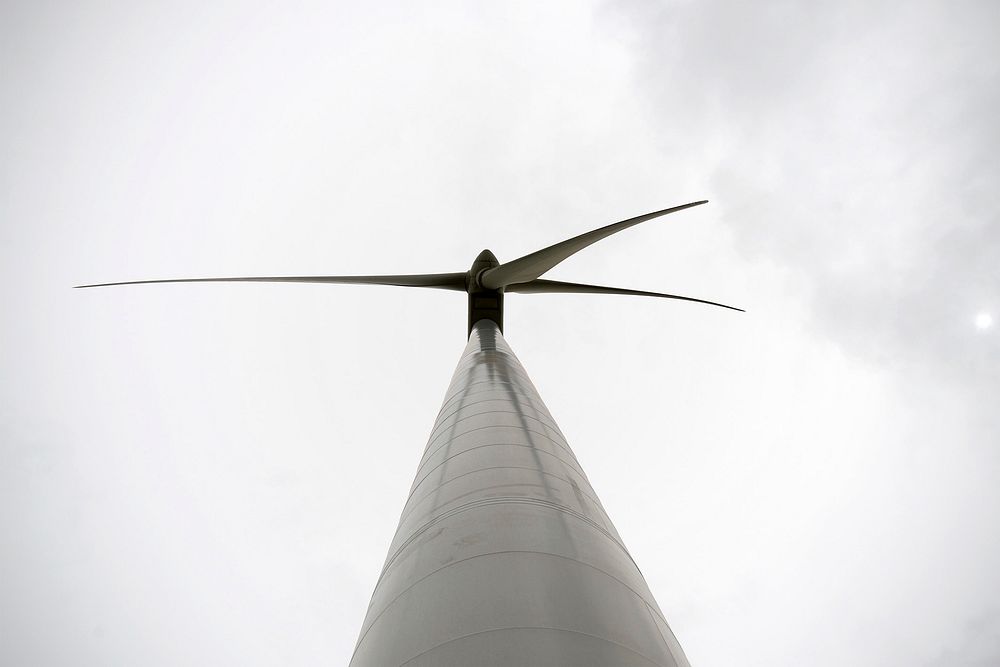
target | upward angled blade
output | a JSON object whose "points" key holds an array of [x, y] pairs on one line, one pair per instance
{"points": [[531, 266], [556, 287], [452, 281]]}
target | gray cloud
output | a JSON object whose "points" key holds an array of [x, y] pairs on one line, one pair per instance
{"points": [[859, 148], [979, 645], [854, 146]]}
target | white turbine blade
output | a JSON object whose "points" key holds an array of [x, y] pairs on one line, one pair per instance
{"points": [[452, 281], [531, 266], [556, 287]]}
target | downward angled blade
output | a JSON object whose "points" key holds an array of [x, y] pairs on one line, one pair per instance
{"points": [[452, 281], [531, 266], [556, 287]]}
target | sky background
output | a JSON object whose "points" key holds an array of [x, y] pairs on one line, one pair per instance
{"points": [[211, 474]]}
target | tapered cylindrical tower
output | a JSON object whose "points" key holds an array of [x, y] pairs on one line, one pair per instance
{"points": [[504, 555]]}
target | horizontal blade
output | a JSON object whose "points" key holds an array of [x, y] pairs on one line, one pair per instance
{"points": [[453, 281], [531, 266], [556, 287]]}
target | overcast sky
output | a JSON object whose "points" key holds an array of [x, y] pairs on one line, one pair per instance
{"points": [[211, 474]]}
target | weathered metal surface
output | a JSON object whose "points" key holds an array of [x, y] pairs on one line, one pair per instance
{"points": [[504, 555]]}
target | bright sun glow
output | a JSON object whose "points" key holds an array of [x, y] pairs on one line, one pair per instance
{"points": [[984, 321]]}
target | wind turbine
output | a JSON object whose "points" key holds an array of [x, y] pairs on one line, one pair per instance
{"points": [[503, 554]]}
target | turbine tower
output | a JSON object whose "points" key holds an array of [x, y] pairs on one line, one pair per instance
{"points": [[503, 554]]}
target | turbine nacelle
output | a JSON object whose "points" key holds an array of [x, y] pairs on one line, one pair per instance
{"points": [[488, 279], [484, 261], [484, 303]]}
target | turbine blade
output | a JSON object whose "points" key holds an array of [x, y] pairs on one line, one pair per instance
{"points": [[452, 281], [556, 287], [529, 267]]}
